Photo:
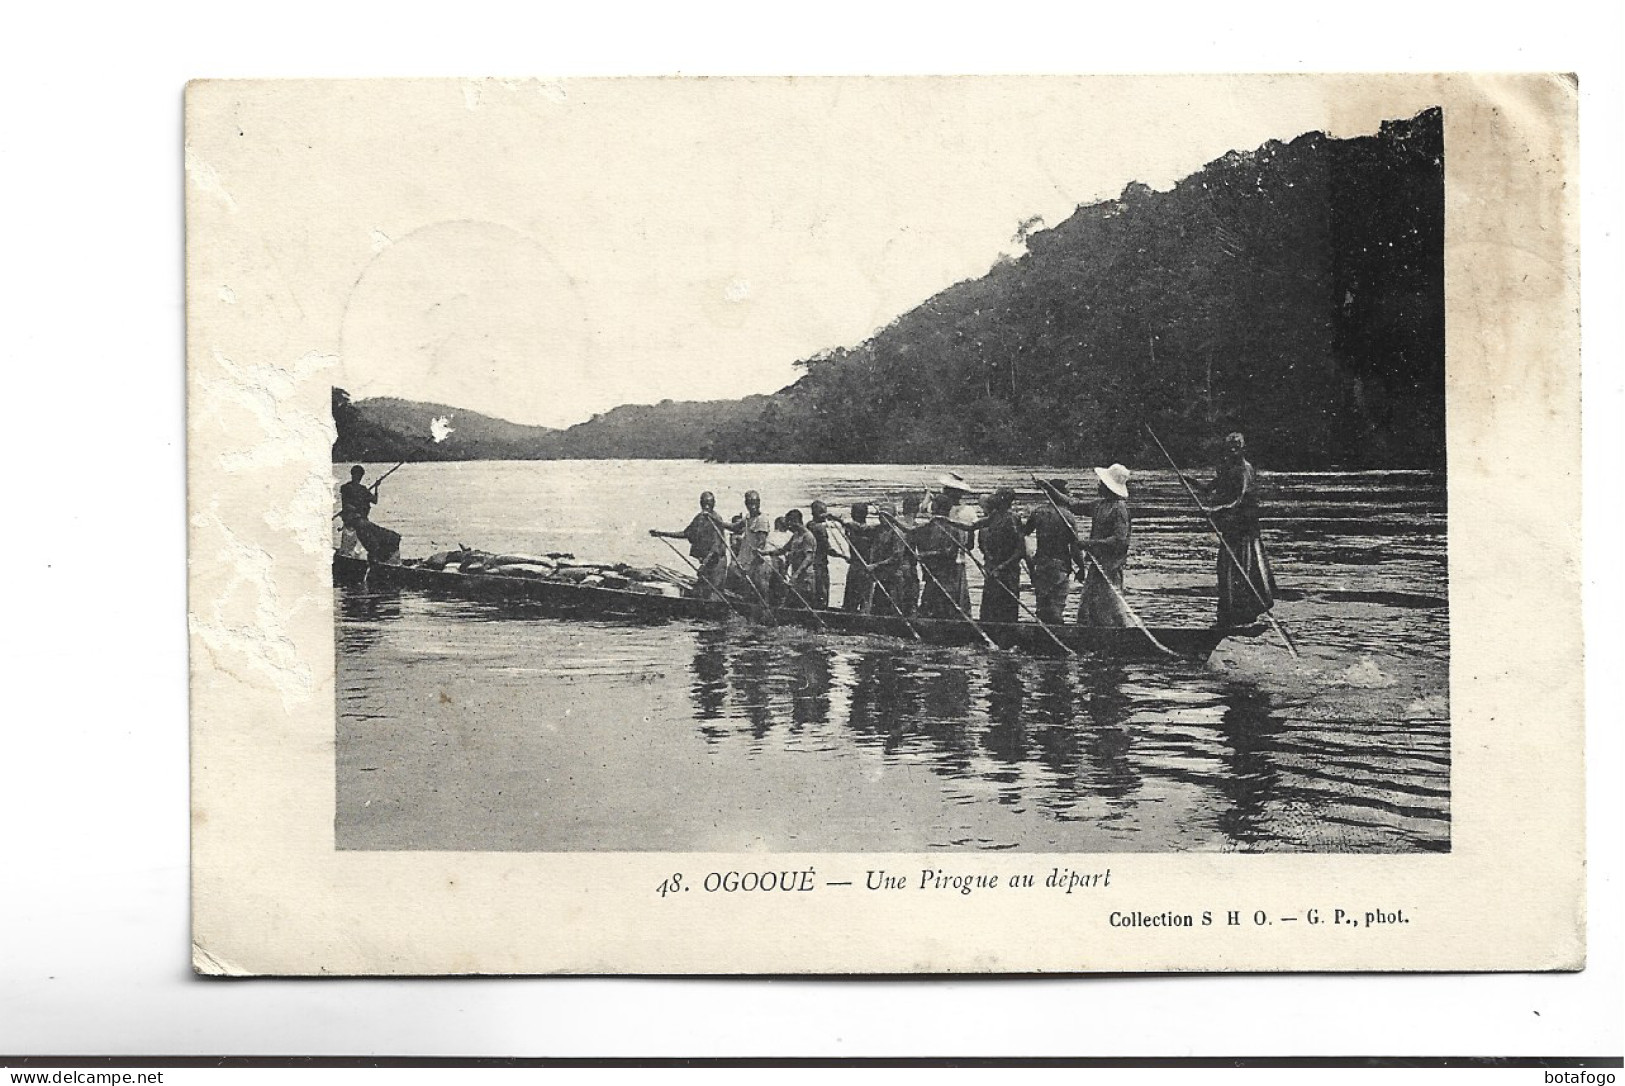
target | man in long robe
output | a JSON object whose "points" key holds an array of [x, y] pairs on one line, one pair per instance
{"points": [[1106, 550], [1232, 499]]}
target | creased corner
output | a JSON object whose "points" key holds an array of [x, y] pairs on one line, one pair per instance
{"points": [[206, 964]]}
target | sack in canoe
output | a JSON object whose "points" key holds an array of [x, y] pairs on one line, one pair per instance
{"points": [[519, 569]]}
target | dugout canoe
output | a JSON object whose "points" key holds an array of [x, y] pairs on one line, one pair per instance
{"points": [[568, 600]]}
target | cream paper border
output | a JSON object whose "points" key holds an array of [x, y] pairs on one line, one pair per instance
{"points": [[271, 895]]}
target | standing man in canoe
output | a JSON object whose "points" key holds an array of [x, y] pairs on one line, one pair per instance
{"points": [[1102, 601], [940, 543], [893, 560], [752, 528], [707, 545], [1232, 499], [798, 554], [1003, 548], [886, 562], [773, 556], [1057, 551], [820, 525], [964, 518], [355, 513], [908, 566], [862, 534]]}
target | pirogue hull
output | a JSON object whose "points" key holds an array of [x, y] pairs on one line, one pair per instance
{"points": [[564, 599]]}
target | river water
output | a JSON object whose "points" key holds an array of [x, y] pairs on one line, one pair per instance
{"points": [[463, 726]]}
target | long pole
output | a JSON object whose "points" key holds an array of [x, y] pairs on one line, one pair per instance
{"points": [[772, 617], [1017, 595], [727, 549], [376, 483], [699, 576], [925, 569], [1224, 543], [731, 562], [1101, 573], [870, 570], [790, 584]]}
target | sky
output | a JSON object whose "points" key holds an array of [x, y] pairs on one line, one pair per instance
{"points": [[543, 251]]}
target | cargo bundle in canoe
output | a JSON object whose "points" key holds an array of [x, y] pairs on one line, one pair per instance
{"points": [[573, 599]]}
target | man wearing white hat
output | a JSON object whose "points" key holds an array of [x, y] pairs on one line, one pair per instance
{"points": [[1107, 545]]}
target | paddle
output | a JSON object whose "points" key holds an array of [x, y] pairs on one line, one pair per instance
{"points": [[376, 483], [788, 583], [730, 562], [1241, 569], [1017, 595], [1101, 573], [772, 617], [870, 570], [699, 578], [925, 569]]}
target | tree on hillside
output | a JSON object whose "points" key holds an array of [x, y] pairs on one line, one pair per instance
{"points": [[1294, 291]]}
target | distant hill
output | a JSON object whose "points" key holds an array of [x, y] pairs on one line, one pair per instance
{"points": [[669, 430], [1294, 292], [389, 429]]}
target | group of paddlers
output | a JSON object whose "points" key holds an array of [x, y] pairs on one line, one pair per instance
{"points": [[911, 558]]}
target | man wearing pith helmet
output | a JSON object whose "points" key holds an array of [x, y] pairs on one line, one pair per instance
{"points": [[1106, 552]]}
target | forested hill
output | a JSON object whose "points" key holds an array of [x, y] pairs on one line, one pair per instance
{"points": [[1295, 292], [388, 429]]}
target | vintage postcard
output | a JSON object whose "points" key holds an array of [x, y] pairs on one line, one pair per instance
{"points": [[885, 525]]}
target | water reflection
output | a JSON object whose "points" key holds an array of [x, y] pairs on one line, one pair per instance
{"points": [[750, 680], [710, 687], [995, 717], [865, 743], [1052, 710], [1251, 778], [884, 692], [1087, 746], [1006, 735], [1080, 742], [810, 683], [944, 711], [361, 615], [1112, 774]]}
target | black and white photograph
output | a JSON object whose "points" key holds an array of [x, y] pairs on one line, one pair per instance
{"points": [[895, 538], [899, 467], [635, 518]]}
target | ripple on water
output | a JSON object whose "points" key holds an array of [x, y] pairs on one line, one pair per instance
{"points": [[462, 725]]}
